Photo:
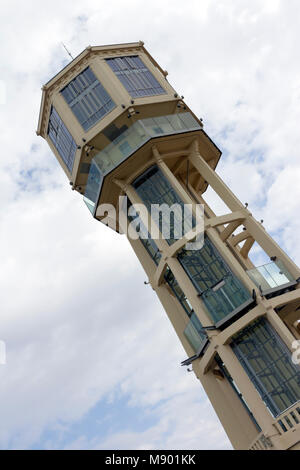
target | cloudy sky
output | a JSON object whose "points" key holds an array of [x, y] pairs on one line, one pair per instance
{"points": [[92, 360]]}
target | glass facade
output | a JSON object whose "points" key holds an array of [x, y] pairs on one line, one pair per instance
{"points": [[135, 76], [268, 363], [130, 140], [236, 389], [62, 139], [221, 291], [144, 236], [270, 276], [87, 98], [193, 332], [154, 188]]}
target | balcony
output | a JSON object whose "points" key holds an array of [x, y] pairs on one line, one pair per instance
{"points": [[272, 278], [129, 142]]}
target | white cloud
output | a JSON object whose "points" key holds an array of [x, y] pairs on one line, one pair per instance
{"points": [[79, 323]]}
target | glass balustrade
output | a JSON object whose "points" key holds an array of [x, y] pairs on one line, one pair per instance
{"points": [[270, 276], [127, 143]]}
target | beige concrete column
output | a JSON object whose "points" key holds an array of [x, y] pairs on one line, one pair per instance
{"points": [[211, 232], [256, 229]]}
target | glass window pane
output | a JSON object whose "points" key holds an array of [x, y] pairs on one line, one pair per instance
{"points": [[270, 276], [268, 363], [154, 189], [62, 139], [135, 76]]}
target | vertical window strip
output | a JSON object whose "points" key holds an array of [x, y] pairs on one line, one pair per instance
{"points": [[135, 76], [87, 98], [198, 333], [62, 139]]}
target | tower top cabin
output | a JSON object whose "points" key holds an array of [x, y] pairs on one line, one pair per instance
{"points": [[104, 111]]}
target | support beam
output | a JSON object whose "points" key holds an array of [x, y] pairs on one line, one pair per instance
{"points": [[198, 183]]}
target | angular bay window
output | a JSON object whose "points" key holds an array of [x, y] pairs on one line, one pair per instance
{"points": [[135, 76], [87, 98], [268, 363], [62, 139]]}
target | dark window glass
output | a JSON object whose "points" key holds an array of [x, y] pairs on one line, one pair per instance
{"points": [[87, 98], [221, 291], [144, 236], [268, 363], [61, 139], [135, 76], [235, 388], [154, 188]]}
